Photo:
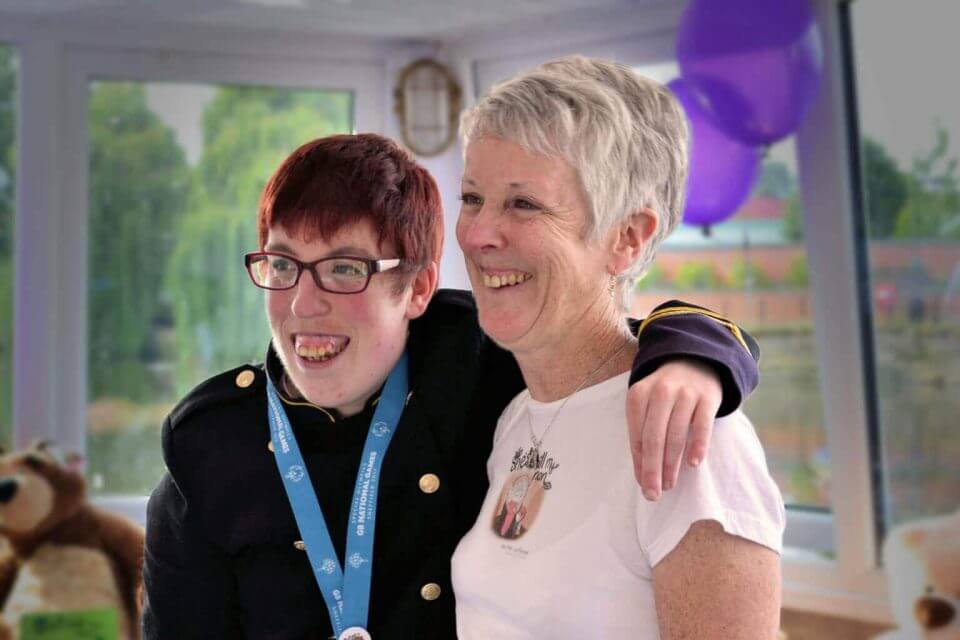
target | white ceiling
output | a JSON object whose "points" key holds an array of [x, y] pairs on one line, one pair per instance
{"points": [[413, 19]]}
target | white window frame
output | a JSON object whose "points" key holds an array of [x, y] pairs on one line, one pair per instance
{"points": [[50, 299]]}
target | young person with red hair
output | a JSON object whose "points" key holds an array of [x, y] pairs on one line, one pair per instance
{"points": [[279, 474]]}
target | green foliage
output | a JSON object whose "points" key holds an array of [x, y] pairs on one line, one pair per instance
{"points": [[654, 278], [170, 300], [745, 274], [932, 209], [696, 275], [792, 220], [885, 187], [776, 181], [138, 189], [248, 131], [799, 273], [218, 314], [886, 191]]}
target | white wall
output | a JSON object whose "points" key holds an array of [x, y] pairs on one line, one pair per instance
{"points": [[445, 167]]}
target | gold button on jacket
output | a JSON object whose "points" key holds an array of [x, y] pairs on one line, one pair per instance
{"points": [[430, 591], [429, 483], [245, 378]]}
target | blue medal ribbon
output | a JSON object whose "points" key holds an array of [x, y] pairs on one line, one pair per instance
{"points": [[345, 590]]}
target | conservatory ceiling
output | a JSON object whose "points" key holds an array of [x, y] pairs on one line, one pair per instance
{"points": [[374, 18]]}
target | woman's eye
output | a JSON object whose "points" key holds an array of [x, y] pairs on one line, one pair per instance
{"points": [[471, 199], [522, 203]]}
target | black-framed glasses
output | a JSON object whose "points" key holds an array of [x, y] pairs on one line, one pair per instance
{"points": [[340, 274]]}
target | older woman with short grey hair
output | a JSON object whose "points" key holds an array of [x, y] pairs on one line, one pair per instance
{"points": [[574, 173]]}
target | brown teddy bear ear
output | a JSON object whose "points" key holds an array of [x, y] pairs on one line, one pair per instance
{"points": [[40, 445], [47, 450]]}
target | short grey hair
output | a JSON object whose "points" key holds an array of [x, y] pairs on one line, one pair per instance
{"points": [[624, 134]]}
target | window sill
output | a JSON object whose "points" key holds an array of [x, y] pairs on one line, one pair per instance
{"points": [[811, 582]]}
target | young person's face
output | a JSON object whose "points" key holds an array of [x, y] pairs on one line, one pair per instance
{"points": [[338, 349]]}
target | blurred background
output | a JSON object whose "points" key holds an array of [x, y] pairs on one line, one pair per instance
{"points": [[136, 136]]}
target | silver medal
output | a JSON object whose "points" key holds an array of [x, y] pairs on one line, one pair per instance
{"points": [[354, 633]]}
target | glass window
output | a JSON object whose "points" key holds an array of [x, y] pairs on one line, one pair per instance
{"points": [[176, 172], [8, 125], [752, 268], [909, 113]]}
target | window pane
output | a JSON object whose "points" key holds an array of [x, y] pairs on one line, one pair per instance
{"points": [[910, 125], [176, 172], [8, 122], [752, 268]]}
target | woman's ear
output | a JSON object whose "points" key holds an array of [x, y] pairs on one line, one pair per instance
{"points": [[631, 237], [423, 287]]}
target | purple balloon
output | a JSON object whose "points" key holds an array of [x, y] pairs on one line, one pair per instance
{"points": [[757, 64], [722, 170]]}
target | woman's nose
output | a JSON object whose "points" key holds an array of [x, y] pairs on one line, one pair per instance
{"points": [[480, 230]]}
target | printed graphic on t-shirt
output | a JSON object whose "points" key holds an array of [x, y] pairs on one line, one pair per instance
{"points": [[523, 492]]}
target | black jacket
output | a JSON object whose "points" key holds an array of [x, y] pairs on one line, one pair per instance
{"points": [[220, 558]]}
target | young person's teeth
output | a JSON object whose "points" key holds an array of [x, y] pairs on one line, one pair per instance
{"points": [[322, 352]]}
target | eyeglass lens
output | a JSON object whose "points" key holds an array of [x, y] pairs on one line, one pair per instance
{"points": [[336, 274]]}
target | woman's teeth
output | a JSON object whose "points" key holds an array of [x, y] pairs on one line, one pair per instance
{"points": [[505, 279]]}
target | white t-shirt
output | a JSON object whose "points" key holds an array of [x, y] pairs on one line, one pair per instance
{"points": [[565, 548]]}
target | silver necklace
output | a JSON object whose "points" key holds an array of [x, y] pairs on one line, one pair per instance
{"points": [[539, 441]]}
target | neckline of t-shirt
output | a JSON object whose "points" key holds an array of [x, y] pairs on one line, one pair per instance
{"points": [[594, 392]]}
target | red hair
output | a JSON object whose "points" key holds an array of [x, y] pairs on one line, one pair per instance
{"points": [[334, 182]]}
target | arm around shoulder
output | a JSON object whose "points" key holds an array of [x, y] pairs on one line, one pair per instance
{"points": [[678, 330]]}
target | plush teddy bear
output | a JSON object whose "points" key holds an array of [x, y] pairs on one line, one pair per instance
{"points": [[61, 553], [922, 563]]}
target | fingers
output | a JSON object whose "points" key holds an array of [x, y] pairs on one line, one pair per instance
{"points": [[676, 437], [701, 428], [668, 413], [659, 408], [636, 413]]}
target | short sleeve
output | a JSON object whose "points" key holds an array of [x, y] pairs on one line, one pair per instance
{"points": [[731, 486]]}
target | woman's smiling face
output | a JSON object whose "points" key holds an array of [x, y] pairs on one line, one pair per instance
{"points": [[521, 227]]}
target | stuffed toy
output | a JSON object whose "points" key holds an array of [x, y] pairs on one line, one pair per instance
{"points": [[922, 562], [60, 553]]}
